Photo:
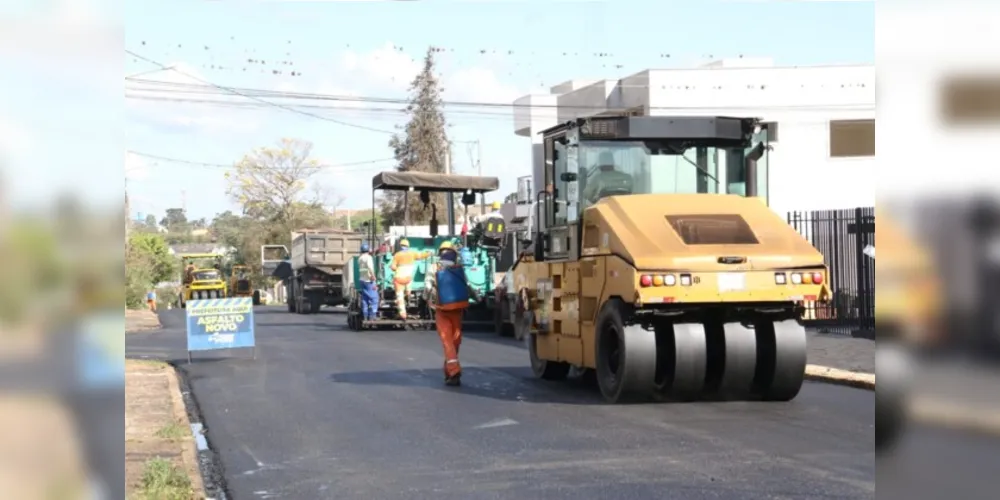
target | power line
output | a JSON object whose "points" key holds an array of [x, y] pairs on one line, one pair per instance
{"points": [[185, 88], [233, 165], [236, 92]]}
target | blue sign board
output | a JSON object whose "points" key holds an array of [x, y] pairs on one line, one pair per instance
{"points": [[220, 324]]}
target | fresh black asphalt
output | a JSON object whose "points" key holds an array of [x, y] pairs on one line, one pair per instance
{"points": [[324, 412]]}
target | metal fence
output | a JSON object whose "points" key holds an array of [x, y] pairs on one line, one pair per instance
{"points": [[842, 236]]}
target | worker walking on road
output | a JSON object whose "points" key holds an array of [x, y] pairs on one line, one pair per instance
{"points": [[404, 264], [151, 300], [366, 275], [450, 292]]}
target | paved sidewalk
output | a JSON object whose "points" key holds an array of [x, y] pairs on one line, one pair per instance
{"points": [[841, 351]]}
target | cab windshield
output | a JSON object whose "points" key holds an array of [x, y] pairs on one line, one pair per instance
{"points": [[207, 275], [608, 168]]}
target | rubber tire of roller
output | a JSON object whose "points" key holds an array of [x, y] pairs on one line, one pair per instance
{"points": [[635, 380], [781, 359], [545, 370], [740, 365], [682, 352]]}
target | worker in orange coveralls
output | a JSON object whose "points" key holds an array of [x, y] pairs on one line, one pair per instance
{"points": [[450, 292], [404, 264]]}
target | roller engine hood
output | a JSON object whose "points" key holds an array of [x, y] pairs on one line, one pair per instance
{"points": [[649, 230]]}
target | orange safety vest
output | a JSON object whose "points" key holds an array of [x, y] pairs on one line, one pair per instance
{"points": [[404, 266]]}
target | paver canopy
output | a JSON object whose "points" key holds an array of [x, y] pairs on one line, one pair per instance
{"points": [[402, 181]]}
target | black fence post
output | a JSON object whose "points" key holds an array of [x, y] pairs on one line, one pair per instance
{"points": [[840, 235]]}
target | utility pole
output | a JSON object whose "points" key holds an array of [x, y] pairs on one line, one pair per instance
{"points": [[479, 169], [450, 196], [184, 202]]}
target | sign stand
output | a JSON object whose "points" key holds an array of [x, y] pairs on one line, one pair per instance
{"points": [[215, 324]]}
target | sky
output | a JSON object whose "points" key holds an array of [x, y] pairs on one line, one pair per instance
{"points": [[64, 125]]}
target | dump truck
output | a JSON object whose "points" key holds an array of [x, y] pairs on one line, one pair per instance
{"points": [[313, 274], [201, 278], [658, 289]]}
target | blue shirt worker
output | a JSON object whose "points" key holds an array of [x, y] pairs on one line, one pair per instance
{"points": [[151, 300], [450, 293], [366, 275]]}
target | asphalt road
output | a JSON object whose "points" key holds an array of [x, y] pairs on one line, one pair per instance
{"points": [[324, 412]]}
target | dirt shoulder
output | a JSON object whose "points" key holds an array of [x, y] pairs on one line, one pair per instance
{"points": [[141, 320], [160, 456]]}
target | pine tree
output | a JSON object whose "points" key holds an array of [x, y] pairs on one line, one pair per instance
{"points": [[421, 147]]}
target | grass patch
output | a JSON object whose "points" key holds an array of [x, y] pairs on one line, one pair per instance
{"points": [[171, 432], [162, 480]]}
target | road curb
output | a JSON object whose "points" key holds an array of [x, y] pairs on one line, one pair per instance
{"points": [[952, 416], [923, 410], [837, 376], [189, 453]]}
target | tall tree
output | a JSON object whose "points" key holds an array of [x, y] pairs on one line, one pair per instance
{"points": [[269, 182], [421, 147], [271, 186]]}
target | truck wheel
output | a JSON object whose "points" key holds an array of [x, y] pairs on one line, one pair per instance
{"points": [[626, 357], [503, 328], [302, 305], [545, 370]]}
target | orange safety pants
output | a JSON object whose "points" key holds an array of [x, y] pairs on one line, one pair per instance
{"points": [[151, 304], [449, 327]]}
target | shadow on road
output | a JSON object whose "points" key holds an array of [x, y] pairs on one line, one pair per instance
{"points": [[505, 383]]}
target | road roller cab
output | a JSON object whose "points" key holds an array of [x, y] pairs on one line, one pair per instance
{"points": [[657, 287]]}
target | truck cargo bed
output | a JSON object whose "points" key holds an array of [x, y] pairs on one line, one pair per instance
{"points": [[324, 249]]}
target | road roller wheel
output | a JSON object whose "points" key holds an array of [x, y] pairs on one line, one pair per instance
{"points": [[626, 357], [781, 359], [546, 370], [681, 360]]}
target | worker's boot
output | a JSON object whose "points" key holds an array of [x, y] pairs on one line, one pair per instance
{"points": [[454, 380]]}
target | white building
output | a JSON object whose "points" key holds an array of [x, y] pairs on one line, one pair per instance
{"points": [[821, 121]]}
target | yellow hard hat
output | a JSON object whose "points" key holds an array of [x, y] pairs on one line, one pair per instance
{"points": [[404, 242], [446, 245], [496, 205]]}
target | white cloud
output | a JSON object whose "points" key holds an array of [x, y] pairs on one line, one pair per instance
{"points": [[386, 67], [389, 69], [136, 167], [478, 84]]}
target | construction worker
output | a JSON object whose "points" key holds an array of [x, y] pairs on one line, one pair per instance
{"points": [[403, 266], [189, 273], [151, 300], [607, 181], [494, 213], [449, 297], [366, 275]]}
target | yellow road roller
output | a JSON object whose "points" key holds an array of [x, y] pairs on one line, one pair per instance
{"points": [[656, 278]]}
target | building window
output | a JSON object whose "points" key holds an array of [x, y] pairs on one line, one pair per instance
{"points": [[852, 138], [971, 100]]}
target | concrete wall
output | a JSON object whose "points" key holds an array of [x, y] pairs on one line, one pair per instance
{"points": [[801, 100]]}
